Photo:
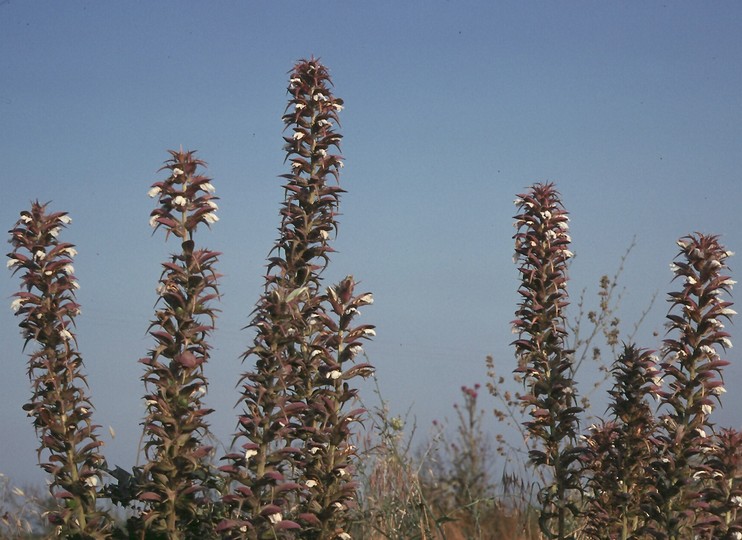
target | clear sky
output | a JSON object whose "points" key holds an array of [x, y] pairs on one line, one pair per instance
{"points": [[634, 109]]}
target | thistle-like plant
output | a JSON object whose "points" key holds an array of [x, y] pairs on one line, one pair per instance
{"points": [[542, 251], [722, 495], [176, 476], [692, 373], [292, 466], [326, 467], [618, 454], [59, 405]]}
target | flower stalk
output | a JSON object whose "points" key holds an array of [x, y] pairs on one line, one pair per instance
{"points": [[174, 488], [542, 252], [59, 406], [692, 372]]}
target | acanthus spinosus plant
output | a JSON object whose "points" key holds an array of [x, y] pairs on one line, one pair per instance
{"points": [[59, 406], [542, 252], [722, 495], [692, 373], [618, 458], [175, 483], [294, 460]]}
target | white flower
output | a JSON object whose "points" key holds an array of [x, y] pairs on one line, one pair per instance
{"points": [[154, 192], [180, 201], [729, 253], [295, 165], [198, 392], [16, 304], [518, 201], [701, 433], [568, 254], [737, 535], [729, 283], [311, 483], [39, 255], [726, 343], [322, 152], [250, 452], [65, 219], [212, 204], [683, 244], [718, 390], [12, 262], [211, 217], [355, 350], [298, 135], [300, 106], [26, 219], [370, 332], [335, 374], [338, 107], [728, 311], [68, 269], [295, 80], [707, 409], [65, 334], [367, 299], [319, 96], [91, 481], [72, 252], [674, 268], [153, 221], [691, 280], [177, 172], [54, 232], [208, 187], [736, 501], [323, 122], [243, 529], [275, 518], [338, 505]]}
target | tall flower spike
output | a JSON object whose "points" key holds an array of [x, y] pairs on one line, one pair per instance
{"points": [[328, 455], [59, 406], [542, 252], [692, 369], [618, 458], [174, 490], [291, 375]]}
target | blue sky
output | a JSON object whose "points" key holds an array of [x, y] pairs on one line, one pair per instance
{"points": [[633, 109]]}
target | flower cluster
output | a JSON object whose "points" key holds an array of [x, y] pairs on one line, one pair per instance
{"points": [[59, 406], [618, 457], [691, 368], [185, 197], [542, 251], [175, 477], [294, 456]]}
